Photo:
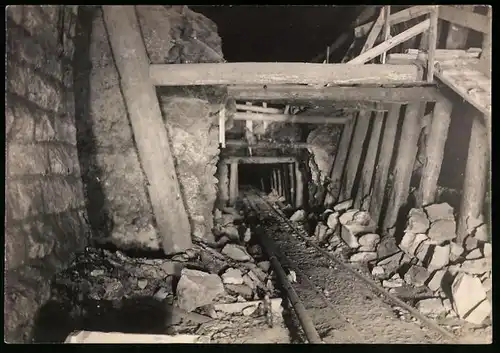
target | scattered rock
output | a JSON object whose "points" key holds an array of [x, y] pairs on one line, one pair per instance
{"points": [[378, 271], [442, 230], [410, 242], [391, 263], [473, 223], [231, 231], [440, 211], [487, 250], [487, 284], [321, 232], [431, 307], [422, 250], [142, 283], [232, 276], [387, 247], [260, 275], [474, 254], [333, 220], [455, 251], [394, 282], [417, 221], [247, 236], [292, 276], [440, 257], [249, 310], [471, 243], [436, 280], [298, 216], [364, 256], [236, 252], [197, 288], [481, 233], [233, 212], [349, 238], [418, 241], [476, 267], [96, 273], [416, 275], [469, 299], [264, 265], [240, 289], [255, 250], [369, 241], [347, 216], [344, 205], [217, 214], [447, 305], [248, 281], [335, 241]]}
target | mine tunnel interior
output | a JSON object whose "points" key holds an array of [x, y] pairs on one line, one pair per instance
{"points": [[83, 246]]}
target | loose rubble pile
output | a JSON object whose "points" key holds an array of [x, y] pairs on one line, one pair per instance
{"points": [[456, 277], [206, 282]]}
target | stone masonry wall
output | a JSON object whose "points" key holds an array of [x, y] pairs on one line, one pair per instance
{"points": [[114, 178], [45, 204]]}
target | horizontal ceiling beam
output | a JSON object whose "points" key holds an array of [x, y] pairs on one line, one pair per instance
{"points": [[259, 160], [266, 144], [291, 93], [475, 21], [280, 73], [287, 118]]}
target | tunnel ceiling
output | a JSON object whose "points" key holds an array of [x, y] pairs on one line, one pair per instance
{"points": [[278, 33]]}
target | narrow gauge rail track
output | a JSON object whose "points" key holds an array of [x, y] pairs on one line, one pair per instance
{"points": [[343, 305]]}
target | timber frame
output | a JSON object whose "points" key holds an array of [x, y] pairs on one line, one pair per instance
{"points": [[377, 91]]}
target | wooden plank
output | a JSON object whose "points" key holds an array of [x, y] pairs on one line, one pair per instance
{"points": [[286, 182], [259, 160], [464, 18], [222, 127], [361, 200], [432, 43], [475, 180], [354, 157], [485, 62], [374, 33], [299, 183], [291, 93], [387, 29], [440, 54], [223, 184], [405, 159], [280, 181], [434, 151], [288, 118], [337, 169], [273, 181], [233, 182], [398, 17], [456, 37], [249, 108], [278, 73], [391, 43], [291, 170], [268, 145], [148, 127], [384, 162]]}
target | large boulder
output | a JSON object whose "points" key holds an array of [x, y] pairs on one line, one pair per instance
{"points": [[197, 288]]}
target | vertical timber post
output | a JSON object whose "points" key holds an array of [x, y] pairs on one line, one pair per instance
{"points": [[292, 183], [362, 196], [148, 127], [353, 161], [434, 151], [299, 191], [223, 175], [405, 160], [337, 168], [476, 174], [384, 161], [233, 183], [274, 184], [280, 181]]}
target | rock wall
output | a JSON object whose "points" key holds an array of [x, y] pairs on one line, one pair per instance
{"points": [[115, 181], [45, 204]]}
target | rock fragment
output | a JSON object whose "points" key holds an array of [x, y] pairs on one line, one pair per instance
{"points": [[236, 252], [344, 205], [369, 241], [469, 299], [431, 307], [298, 216], [197, 288], [442, 231], [364, 256], [417, 221], [441, 211], [416, 275], [232, 276]]}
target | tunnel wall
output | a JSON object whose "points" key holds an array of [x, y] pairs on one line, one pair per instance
{"points": [[122, 214], [44, 204]]}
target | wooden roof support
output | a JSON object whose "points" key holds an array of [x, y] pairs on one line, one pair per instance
{"points": [[433, 28], [259, 160], [456, 38], [249, 108], [374, 33], [391, 43], [148, 127], [398, 17], [279, 73], [299, 93], [485, 61], [268, 145], [475, 21], [298, 119]]}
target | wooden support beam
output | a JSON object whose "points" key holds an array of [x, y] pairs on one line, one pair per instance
{"points": [[268, 145], [355, 152], [291, 93], [391, 43], [291, 177], [398, 17], [223, 177], [365, 184], [485, 62], [405, 159], [259, 160], [387, 29], [440, 54], [457, 35], [222, 127], [337, 169], [475, 21], [279, 73], [434, 151], [273, 181], [233, 183], [298, 119], [384, 162], [299, 183], [432, 43], [280, 181], [249, 108], [148, 127], [374, 33], [476, 174]]}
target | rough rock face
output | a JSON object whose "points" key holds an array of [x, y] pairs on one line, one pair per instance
{"points": [[116, 182]]}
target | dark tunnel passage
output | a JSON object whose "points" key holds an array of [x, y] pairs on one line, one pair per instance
{"points": [[266, 177]]}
